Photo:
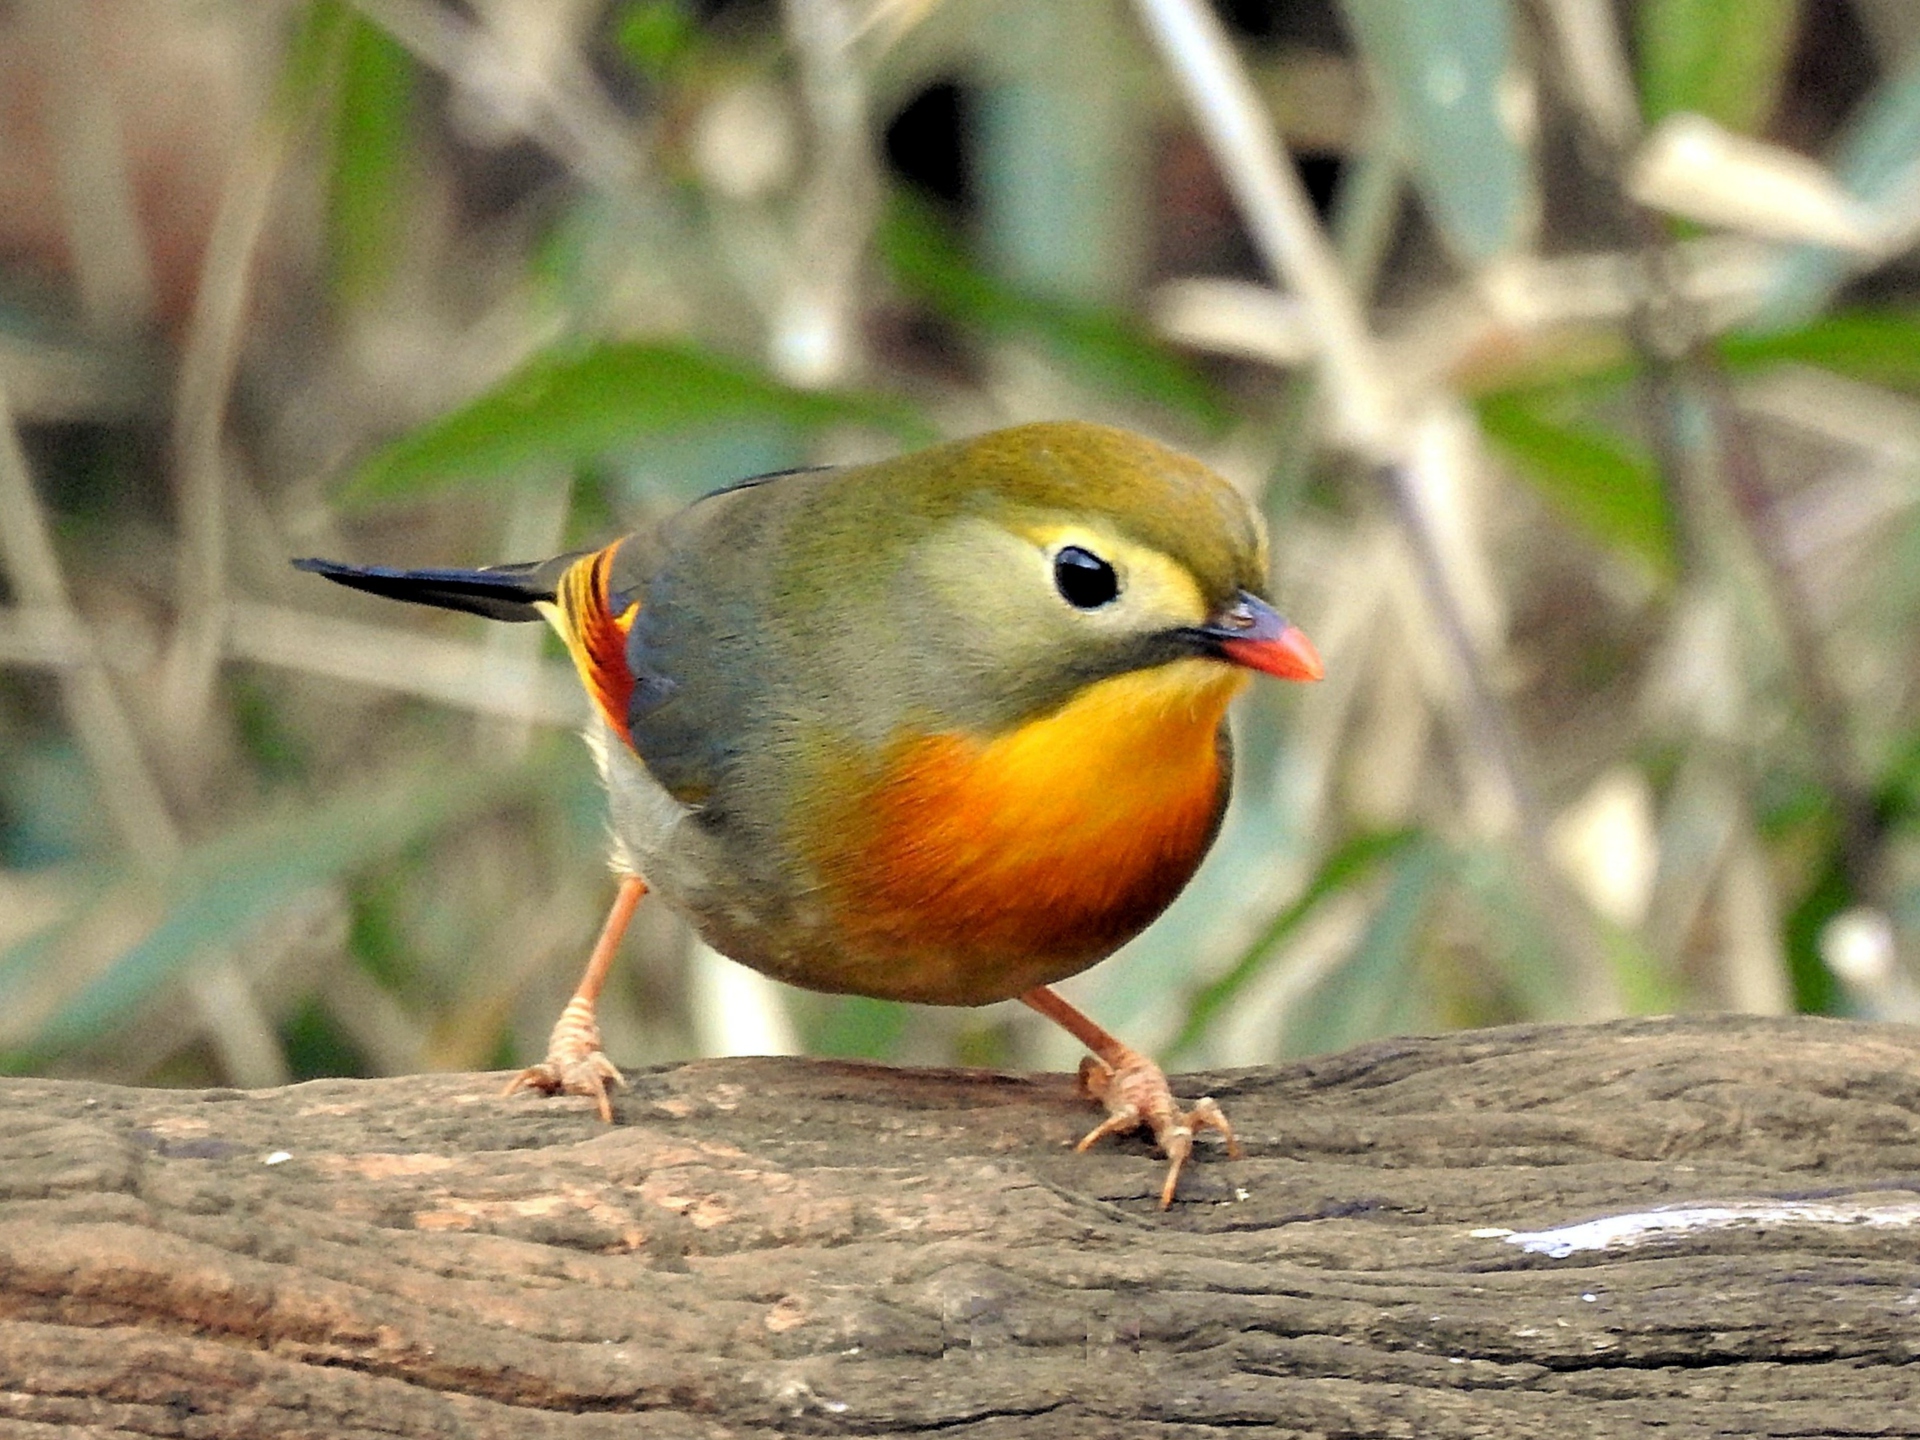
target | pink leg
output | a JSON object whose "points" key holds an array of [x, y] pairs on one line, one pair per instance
{"points": [[1134, 1090], [575, 1064]]}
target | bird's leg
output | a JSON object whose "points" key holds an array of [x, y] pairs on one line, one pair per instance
{"points": [[1134, 1090], [575, 1064]]}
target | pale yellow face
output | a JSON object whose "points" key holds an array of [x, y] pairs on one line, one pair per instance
{"points": [[1021, 639], [1156, 592]]}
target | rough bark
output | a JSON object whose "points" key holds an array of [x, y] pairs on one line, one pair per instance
{"points": [[775, 1247]]}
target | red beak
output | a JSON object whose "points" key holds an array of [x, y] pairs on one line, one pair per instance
{"points": [[1252, 634]]}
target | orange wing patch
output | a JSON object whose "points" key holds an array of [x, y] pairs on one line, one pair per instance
{"points": [[596, 637]]}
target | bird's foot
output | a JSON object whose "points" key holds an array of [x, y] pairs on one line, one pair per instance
{"points": [[1136, 1094], [575, 1063]]}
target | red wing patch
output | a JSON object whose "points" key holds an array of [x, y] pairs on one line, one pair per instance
{"points": [[596, 636]]}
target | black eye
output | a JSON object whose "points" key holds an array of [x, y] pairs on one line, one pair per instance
{"points": [[1084, 580]]}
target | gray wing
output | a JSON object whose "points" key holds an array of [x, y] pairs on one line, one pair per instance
{"points": [[702, 653]]}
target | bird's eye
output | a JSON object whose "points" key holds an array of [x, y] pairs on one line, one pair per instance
{"points": [[1084, 580]]}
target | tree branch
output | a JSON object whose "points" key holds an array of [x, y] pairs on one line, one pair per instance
{"points": [[773, 1247]]}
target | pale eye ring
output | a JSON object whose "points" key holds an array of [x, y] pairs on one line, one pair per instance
{"points": [[1084, 580]]}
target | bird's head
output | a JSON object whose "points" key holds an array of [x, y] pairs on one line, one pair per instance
{"points": [[1054, 556]]}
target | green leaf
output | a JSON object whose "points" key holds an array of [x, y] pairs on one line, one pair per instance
{"points": [[316, 1046], [1896, 807], [1346, 867], [370, 139], [1815, 989], [313, 58], [657, 36], [1881, 347], [1517, 936], [1107, 349], [1445, 69], [1724, 59], [228, 886], [1897, 798], [1599, 482], [1644, 984], [578, 405]]}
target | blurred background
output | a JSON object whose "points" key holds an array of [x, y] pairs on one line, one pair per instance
{"points": [[1571, 348]]}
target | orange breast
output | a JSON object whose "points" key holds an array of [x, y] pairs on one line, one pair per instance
{"points": [[976, 869]]}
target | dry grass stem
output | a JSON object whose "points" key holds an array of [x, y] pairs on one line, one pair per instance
{"points": [[43, 636], [103, 228], [126, 787], [231, 1013], [449, 672], [541, 90], [207, 365], [816, 339], [1369, 411], [1594, 69]]}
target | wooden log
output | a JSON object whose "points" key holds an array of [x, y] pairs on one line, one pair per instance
{"points": [[1682, 1227]]}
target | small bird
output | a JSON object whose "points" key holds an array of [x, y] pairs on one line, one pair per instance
{"points": [[945, 728]]}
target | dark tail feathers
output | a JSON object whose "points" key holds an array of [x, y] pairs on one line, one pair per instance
{"points": [[499, 592]]}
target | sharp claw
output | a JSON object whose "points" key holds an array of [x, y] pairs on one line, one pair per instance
{"points": [[1207, 1115], [575, 1065], [1173, 1183], [1177, 1144], [1119, 1123], [1136, 1095]]}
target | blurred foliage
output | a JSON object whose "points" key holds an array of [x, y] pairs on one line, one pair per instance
{"points": [[369, 155], [1725, 59], [1339, 872], [227, 887], [1446, 76], [1880, 347], [1873, 158], [1598, 478], [1106, 350], [1638, 731], [581, 408]]}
